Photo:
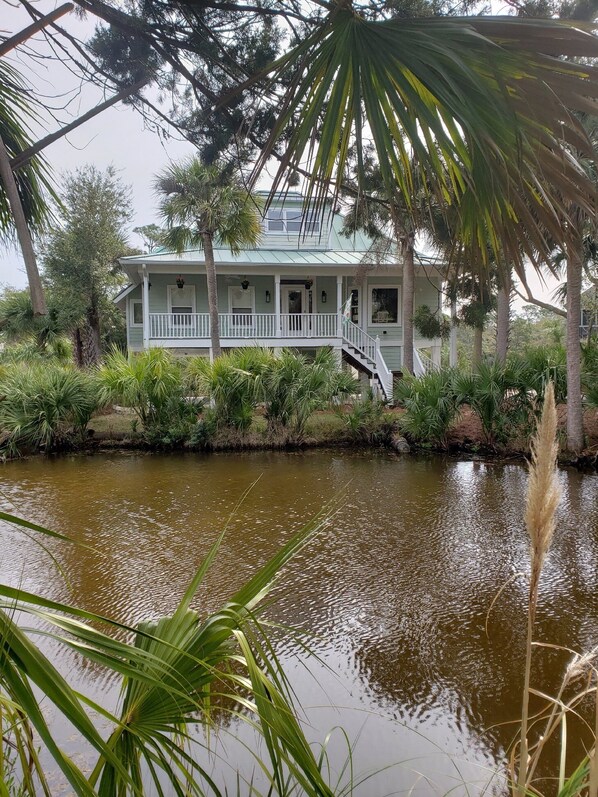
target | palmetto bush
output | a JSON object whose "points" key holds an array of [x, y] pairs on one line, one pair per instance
{"points": [[499, 395], [152, 383], [294, 387], [174, 673], [45, 406], [233, 382], [540, 365], [430, 406]]}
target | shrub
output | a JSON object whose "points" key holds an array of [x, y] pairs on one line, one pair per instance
{"points": [[499, 396], [45, 407], [366, 421], [540, 365], [293, 388], [430, 406], [233, 382], [589, 375], [153, 385]]}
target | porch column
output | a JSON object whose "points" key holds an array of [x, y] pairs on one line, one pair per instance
{"points": [[146, 313], [277, 304], [339, 303], [453, 336]]}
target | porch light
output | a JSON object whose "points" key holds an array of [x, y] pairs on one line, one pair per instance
{"points": [[324, 297], [245, 284], [268, 297], [180, 282], [308, 283]]}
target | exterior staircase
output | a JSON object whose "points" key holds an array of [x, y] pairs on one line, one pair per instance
{"points": [[363, 352]]}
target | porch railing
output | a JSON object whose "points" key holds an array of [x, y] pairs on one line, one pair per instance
{"points": [[172, 326]]}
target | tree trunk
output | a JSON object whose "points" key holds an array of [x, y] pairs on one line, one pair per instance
{"points": [[503, 317], [92, 344], [574, 409], [78, 348], [38, 300], [212, 295], [453, 335], [478, 333], [408, 294]]}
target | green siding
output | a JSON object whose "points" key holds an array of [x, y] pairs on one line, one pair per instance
{"points": [[327, 284], [392, 357]]}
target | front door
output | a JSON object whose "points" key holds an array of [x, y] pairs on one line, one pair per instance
{"points": [[293, 305]]}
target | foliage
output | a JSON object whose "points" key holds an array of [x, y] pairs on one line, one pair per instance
{"points": [[366, 422], [33, 179], [533, 327], [540, 365], [295, 387], [498, 394], [174, 672], [80, 256], [589, 373], [199, 200], [430, 406], [430, 324], [152, 384], [18, 322], [45, 406], [234, 384], [60, 352], [404, 80]]}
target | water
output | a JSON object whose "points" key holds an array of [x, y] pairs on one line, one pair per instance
{"points": [[419, 661]]}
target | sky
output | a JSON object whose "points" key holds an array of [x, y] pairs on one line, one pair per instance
{"points": [[115, 137]]}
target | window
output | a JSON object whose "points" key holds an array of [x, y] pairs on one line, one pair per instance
{"points": [[181, 302], [292, 221], [242, 305], [384, 308], [137, 314]]}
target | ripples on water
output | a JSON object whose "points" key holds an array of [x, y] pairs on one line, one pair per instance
{"points": [[395, 591]]}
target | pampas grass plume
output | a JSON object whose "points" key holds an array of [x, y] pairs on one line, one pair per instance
{"points": [[543, 493]]}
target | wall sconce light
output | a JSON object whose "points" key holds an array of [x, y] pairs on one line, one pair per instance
{"points": [[245, 284], [308, 284], [324, 297], [180, 282], [268, 297]]}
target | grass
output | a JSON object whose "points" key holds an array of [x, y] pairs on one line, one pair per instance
{"points": [[324, 427]]}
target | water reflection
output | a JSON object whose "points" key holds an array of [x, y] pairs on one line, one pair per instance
{"points": [[396, 590]]}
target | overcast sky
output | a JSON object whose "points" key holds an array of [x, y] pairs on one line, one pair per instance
{"points": [[116, 136]]}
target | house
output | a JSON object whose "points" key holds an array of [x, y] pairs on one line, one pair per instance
{"points": [[304, 286]]}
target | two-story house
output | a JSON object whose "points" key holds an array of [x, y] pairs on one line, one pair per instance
{"points": [[304, 286]]}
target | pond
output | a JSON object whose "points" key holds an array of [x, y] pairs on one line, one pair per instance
{"points": [[419, 655]]}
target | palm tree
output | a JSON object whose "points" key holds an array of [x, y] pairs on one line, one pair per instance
{"points": [[201, 204], [23, 194], [491, 142]]}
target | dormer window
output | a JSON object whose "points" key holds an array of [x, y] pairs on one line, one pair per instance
{"points": [[291, 221]]}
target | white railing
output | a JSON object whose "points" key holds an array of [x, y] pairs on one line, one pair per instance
{"points": [[383, 372], [359, 339], [179, 325], [422, 364], [253, 326], [308, 325], [247, 325]]}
